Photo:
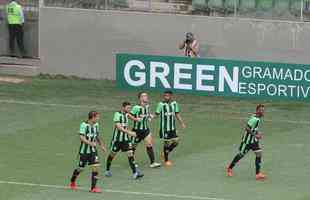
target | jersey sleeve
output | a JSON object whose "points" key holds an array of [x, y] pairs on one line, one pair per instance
{"points": [[252, 123], [83, 129], [97, 127], [159, 108], [134, 110], [177, 108], [117, 117]]}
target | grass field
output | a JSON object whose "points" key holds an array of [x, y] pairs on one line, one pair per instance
{"points": [[39, 141]]}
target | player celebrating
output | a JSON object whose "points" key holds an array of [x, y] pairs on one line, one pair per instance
{"points": [[169, 111], [140, 114], [89, 136], [250, 141], [121, 141]]}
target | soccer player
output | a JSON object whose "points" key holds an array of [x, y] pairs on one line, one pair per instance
{"points": [[250, 141], [141, 115], [121, 141], [169, 111], [89, 136]]}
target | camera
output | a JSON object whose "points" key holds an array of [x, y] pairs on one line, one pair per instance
{"points": [[189, 38]]}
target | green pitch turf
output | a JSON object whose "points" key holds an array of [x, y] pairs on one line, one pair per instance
{"points": [[38, 146]]}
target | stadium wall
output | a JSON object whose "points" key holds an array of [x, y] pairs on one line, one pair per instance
{"points": [[84, 42]]}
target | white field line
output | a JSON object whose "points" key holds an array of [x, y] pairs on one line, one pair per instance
{"points": [[116, 191], [106, 108], [10, 101]]}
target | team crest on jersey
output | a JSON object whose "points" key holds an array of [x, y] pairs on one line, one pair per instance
{"points": [[169, 113]]}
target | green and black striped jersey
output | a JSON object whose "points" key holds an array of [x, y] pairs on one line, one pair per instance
{"points": [[142, 112], [120, 136], [91, 133], [253, 123], [167, 111]]}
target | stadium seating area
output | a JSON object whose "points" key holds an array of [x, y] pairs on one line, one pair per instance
{"points": [[266, 9], [274, 9], [263, 9]]}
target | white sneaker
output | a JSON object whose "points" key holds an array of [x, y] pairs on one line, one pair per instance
{"points": [[155, 165], [137, 175], [108, 173]]}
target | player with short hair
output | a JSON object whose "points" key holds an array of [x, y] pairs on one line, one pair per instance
{"points": [[141, 116], [121, 141], [250, 141], [168, 110], [89, 136]]}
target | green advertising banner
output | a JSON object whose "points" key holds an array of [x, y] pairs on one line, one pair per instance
{"points": [[214, 76]]}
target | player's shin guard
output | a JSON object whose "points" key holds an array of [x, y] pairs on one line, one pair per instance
{"points": [[75, 174], [166, 151], [94, 178], [132, 164], [258, 161], [134, 150], [109, 162], [238, 157], [172, 146], [150, 153]]}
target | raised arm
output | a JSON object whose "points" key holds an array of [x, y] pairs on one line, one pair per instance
{"points": [[133, 118], [195, 48], [182, 45]]}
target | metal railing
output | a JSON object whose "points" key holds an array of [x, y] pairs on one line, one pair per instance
{"points": [[292, 10], [262, 9]]}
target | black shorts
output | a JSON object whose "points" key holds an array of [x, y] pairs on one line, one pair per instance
{"points": [[88, 159], [169, 135], [123, 146], [245, 148], [141, 135]]}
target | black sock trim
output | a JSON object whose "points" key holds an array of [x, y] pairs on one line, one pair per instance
{"points": [[166, 152], [238, 157], [132, 164], [258, 161], [109, 162], [75, 174], [94, 178], [150, 153]]}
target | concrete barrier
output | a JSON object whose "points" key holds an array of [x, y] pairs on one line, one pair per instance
{"points": [[84, 42]]}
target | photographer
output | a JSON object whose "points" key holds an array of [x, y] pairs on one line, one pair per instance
{"points": [[190, 46]]}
